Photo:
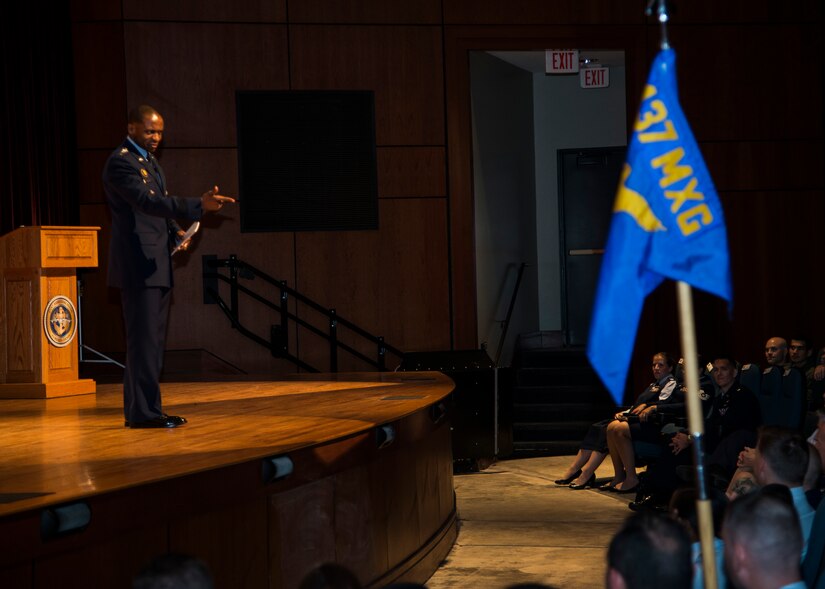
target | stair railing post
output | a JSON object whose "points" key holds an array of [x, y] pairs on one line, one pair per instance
{"points": [[233, 286], [284, 316], [382, 354], [333, 341]]}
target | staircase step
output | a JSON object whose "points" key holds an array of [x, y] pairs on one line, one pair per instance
{"points": [[558, 375], [550, 431], [562, 394], [544, 412], [551, 448], [551, 358]]}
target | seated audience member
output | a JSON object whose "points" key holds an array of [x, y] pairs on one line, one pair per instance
{"points": [[817, 438], [813, 482], [650, 550], [801, 353], [776, 352], [819, 370], [683, 509], [763, 542], [730, 424], [742, 483], [643, 423], [782, 458], [173, 571], [802, 357], [582, 471], [330, 576], [743, 480], [817, 393]]}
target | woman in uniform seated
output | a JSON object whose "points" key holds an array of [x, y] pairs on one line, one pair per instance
{"points": [[581, 474]]}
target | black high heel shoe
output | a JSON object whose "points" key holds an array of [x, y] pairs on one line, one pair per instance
{"points": [[588, 483], [568, 480]]}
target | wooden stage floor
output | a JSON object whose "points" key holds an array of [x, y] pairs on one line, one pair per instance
{"points": [[387, 511], [67, 448]]}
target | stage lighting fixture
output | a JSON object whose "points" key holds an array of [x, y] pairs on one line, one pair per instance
{"points": [[276, 468], [384, 436], [438, 412], [63, 519]]}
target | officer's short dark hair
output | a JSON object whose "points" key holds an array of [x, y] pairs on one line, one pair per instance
{"points": [[651, 551], [786, 452], [139, 113]]}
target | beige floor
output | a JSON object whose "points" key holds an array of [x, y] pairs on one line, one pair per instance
{"points": [[516, 526]]}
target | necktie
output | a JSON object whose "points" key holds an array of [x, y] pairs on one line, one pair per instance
{"points": [[154, 163]]}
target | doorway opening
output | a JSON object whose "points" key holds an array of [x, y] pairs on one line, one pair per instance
{"points": [[521, 120]]}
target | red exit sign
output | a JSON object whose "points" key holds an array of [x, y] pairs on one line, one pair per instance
{"points": [[561, 61], [594, 77]]}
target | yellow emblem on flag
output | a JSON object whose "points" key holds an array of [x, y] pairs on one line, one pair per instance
{"points": [[634, 204]]}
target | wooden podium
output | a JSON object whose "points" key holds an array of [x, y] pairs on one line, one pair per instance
{"points": [[38, 310]]}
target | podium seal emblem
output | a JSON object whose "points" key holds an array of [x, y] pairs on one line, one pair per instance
{"points": [[60, 321]]}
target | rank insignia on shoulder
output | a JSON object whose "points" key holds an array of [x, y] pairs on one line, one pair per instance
{"points": [[152, 192], [143, 172], [123, 150]]}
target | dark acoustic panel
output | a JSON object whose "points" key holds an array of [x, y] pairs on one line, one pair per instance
{"points": [[306, 161]]}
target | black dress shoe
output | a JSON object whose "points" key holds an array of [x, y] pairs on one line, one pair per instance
{"points": [[155, 423], [642, 504], [648, 503], [177, 420], [588, 483], [632, 489], [568, 480]]}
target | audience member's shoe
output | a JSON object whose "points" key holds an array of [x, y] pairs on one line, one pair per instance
{"points": [[628, 490], [609, 486], [589, 483], [647, 503], [568, 480]]}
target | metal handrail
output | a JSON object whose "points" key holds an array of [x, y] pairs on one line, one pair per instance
{"points": [[278, 344], [506, 323]]}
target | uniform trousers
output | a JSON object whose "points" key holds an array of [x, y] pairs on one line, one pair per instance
{"points": [[145, 316]]}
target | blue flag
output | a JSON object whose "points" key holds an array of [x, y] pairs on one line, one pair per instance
{"points": [[667, 223]]}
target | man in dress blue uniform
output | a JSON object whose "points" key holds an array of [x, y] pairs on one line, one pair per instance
{"points": [[144, 232]]}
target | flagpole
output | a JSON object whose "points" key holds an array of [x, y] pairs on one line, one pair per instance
{"points": [[667, 223], [696, 425]]}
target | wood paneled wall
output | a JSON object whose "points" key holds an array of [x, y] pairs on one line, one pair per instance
{"points": [[747, 82]]}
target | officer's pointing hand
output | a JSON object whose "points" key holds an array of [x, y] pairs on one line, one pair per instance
{"points": [[212, 201]]}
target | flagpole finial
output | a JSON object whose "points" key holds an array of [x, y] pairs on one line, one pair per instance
{"points": [[662, 15]]}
